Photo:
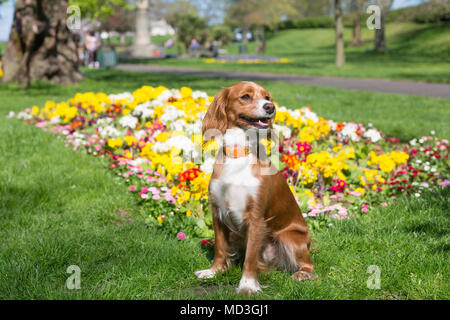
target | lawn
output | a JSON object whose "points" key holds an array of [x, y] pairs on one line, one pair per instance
{"points": [[418, 52], [61, 208]]}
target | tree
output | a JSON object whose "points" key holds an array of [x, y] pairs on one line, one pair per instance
{"points": [[356, 7], [380, 39], [183, 17], [41, 46], [340, 55]]}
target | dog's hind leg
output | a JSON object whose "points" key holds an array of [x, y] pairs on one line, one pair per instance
{"points": [[296, 244]]}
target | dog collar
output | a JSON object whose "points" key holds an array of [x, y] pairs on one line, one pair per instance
{"points": [[236, 152]]}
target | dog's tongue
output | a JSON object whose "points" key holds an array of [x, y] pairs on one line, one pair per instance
{"points": [[261, 124]]}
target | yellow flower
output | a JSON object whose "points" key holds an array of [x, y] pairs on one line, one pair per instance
{"points": [[159, 219], [188, 213], [35, 110], [360, 190], [130, 140], [115, 143], [186, 92]]}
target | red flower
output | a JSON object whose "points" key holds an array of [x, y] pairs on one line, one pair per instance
{"points": [[339, 187], [304, 147]]}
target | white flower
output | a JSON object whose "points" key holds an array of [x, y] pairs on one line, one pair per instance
{"points": [[55, 120], [24, 115], [109, 131], [284, 130], [349, 130], [171, 113], [199, 94], [426, 168], [208, 165], [128, 122], [143, 110], [417, 195], [308, 114], [373, 135], [140, 134], [121, 96], [432, 132], [413, 142], [103, 122], [332, 124], [418, 161], [11, 114]]}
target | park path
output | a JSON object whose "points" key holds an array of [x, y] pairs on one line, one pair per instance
{"points": [[378, 85]]}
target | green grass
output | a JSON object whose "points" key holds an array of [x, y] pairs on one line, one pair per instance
{"points": [[419, 52], [62, 208]]}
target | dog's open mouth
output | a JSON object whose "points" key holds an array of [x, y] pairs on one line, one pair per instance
{"points": [[261, 123]]}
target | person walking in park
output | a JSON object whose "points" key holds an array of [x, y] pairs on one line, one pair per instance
{"points": [[92, 42]]}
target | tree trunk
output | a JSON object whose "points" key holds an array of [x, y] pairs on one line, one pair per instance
{"points": [[380, 40], [357, 40], [244, 34], [40, 45], [340, 55]]}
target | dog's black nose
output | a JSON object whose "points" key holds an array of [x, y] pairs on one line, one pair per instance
{"points": [[269, 107]]}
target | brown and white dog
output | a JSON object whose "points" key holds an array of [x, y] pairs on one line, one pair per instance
{"points": [[255, 215]]}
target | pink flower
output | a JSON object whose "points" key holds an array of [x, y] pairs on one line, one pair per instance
{"points": [[384, 204], [154, 190], [144, 190], [132, 188], [144, 196], [156, 197], [364, 210], [354, 193], [181, 236]]}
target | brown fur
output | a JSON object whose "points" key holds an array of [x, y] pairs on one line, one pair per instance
{"points": [[275, 234]]}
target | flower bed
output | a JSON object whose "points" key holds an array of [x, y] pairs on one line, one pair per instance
{"points": [[152, 140], [247, 60]]}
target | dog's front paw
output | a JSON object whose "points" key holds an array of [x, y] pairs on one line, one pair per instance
{"points": [[248, 286], [303, 275], [205, 274]]}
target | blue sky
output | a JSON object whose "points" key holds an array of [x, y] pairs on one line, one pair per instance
{"points": [[7, 8]]}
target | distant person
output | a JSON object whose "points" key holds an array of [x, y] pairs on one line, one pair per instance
{"points": [[169, 43], [262, 47], [212, 49], [92, 42], [194, 46]]}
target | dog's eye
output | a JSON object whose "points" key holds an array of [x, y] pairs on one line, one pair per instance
{"points": [[246, 97], [267, 98]]}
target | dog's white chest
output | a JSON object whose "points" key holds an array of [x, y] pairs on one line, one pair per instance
{"points": [[233, 189]]}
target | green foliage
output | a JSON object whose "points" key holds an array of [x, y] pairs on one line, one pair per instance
{"points": [[99, 8], [432, 12], [221, 33], [190, 26]]}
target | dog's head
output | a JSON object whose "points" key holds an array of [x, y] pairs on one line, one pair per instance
{"points": [[244, 105]]}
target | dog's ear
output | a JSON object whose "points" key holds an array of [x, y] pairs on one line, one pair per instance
{"points": [[216, 117]]}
